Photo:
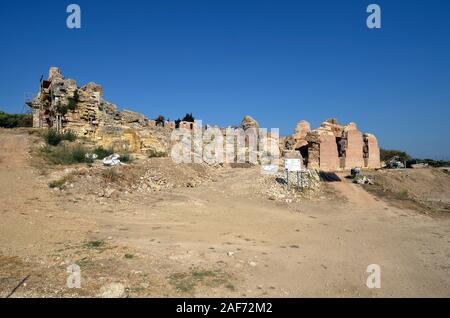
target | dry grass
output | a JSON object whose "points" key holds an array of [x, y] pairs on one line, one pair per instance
{"points": [[420, 189], [111, 175], [187, 282]]}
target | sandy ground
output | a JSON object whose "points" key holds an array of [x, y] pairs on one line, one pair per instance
{"points": [[215, 240]]}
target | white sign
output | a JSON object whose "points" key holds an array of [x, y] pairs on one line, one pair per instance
{"points": [[292, 165]]}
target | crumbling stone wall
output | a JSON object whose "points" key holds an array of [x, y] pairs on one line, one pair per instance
{"points": [[333, 146], [329, 159], [62, 105], [371, 152], [354, 152]]}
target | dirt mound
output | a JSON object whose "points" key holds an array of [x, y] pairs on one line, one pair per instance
{"points": [[275, 187], [155, 174], [428, 187]]}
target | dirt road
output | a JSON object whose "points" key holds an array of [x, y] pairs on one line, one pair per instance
{"points": [[218, 239]]}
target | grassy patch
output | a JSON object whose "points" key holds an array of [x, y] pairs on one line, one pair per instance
{"points": [[102, 152], [402, 195], [156, 154], [65, 155], [59, 184], [94, 244], [401, 199], [125, 158], [188, 281], [111, 175], [53, 137]]}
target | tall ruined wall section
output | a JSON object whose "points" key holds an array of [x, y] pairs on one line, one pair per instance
{"points": [[61, 104], [334, 147], [371, 152], [354, 151]]}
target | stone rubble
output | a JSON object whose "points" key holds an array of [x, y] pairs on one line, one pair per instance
{"points": [[275, 187]]}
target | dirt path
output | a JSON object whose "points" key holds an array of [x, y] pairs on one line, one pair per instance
{"points": [[28, 209], [249, 245], [313, 249]]}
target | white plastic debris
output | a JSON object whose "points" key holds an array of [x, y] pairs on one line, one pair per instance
{"points": [[112, 160], [363, 180]]}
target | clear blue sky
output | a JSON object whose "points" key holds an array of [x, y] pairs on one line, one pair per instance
{"points": [[278, 61]]}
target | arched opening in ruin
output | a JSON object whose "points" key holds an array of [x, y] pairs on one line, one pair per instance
{"points": [[341, 144], [304, 153], [366, 151]]}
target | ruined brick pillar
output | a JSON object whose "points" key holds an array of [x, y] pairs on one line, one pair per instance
{"points": [[372, 157], [313, 156], [354, 152], [328, 158]]}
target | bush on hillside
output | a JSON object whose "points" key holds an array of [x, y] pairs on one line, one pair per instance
{"points": [[15, 120]]}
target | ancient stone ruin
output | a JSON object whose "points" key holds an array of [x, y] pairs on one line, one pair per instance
{"points": [[62, 105], [333, 146]]}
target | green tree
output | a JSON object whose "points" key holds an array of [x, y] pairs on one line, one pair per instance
{"points": [[188, 118], [387, 154], [15, 120]]}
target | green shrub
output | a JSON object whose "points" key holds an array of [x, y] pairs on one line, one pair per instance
{"points": [[156, 154], [102, 152], [188, 118], [94, 244], [65, 155], [61, 183], [57, 155], [386, 154], [15, 120], [57, 184], [69, 135], [79, 155], [126, 158], [53, 137], [433, 163], [70, 106]]}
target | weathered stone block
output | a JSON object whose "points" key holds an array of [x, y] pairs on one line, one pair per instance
{"points": [[354, 152], [328, 158], [373, 155]]}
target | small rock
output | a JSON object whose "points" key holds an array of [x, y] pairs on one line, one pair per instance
{"points": [[109, 192]]}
